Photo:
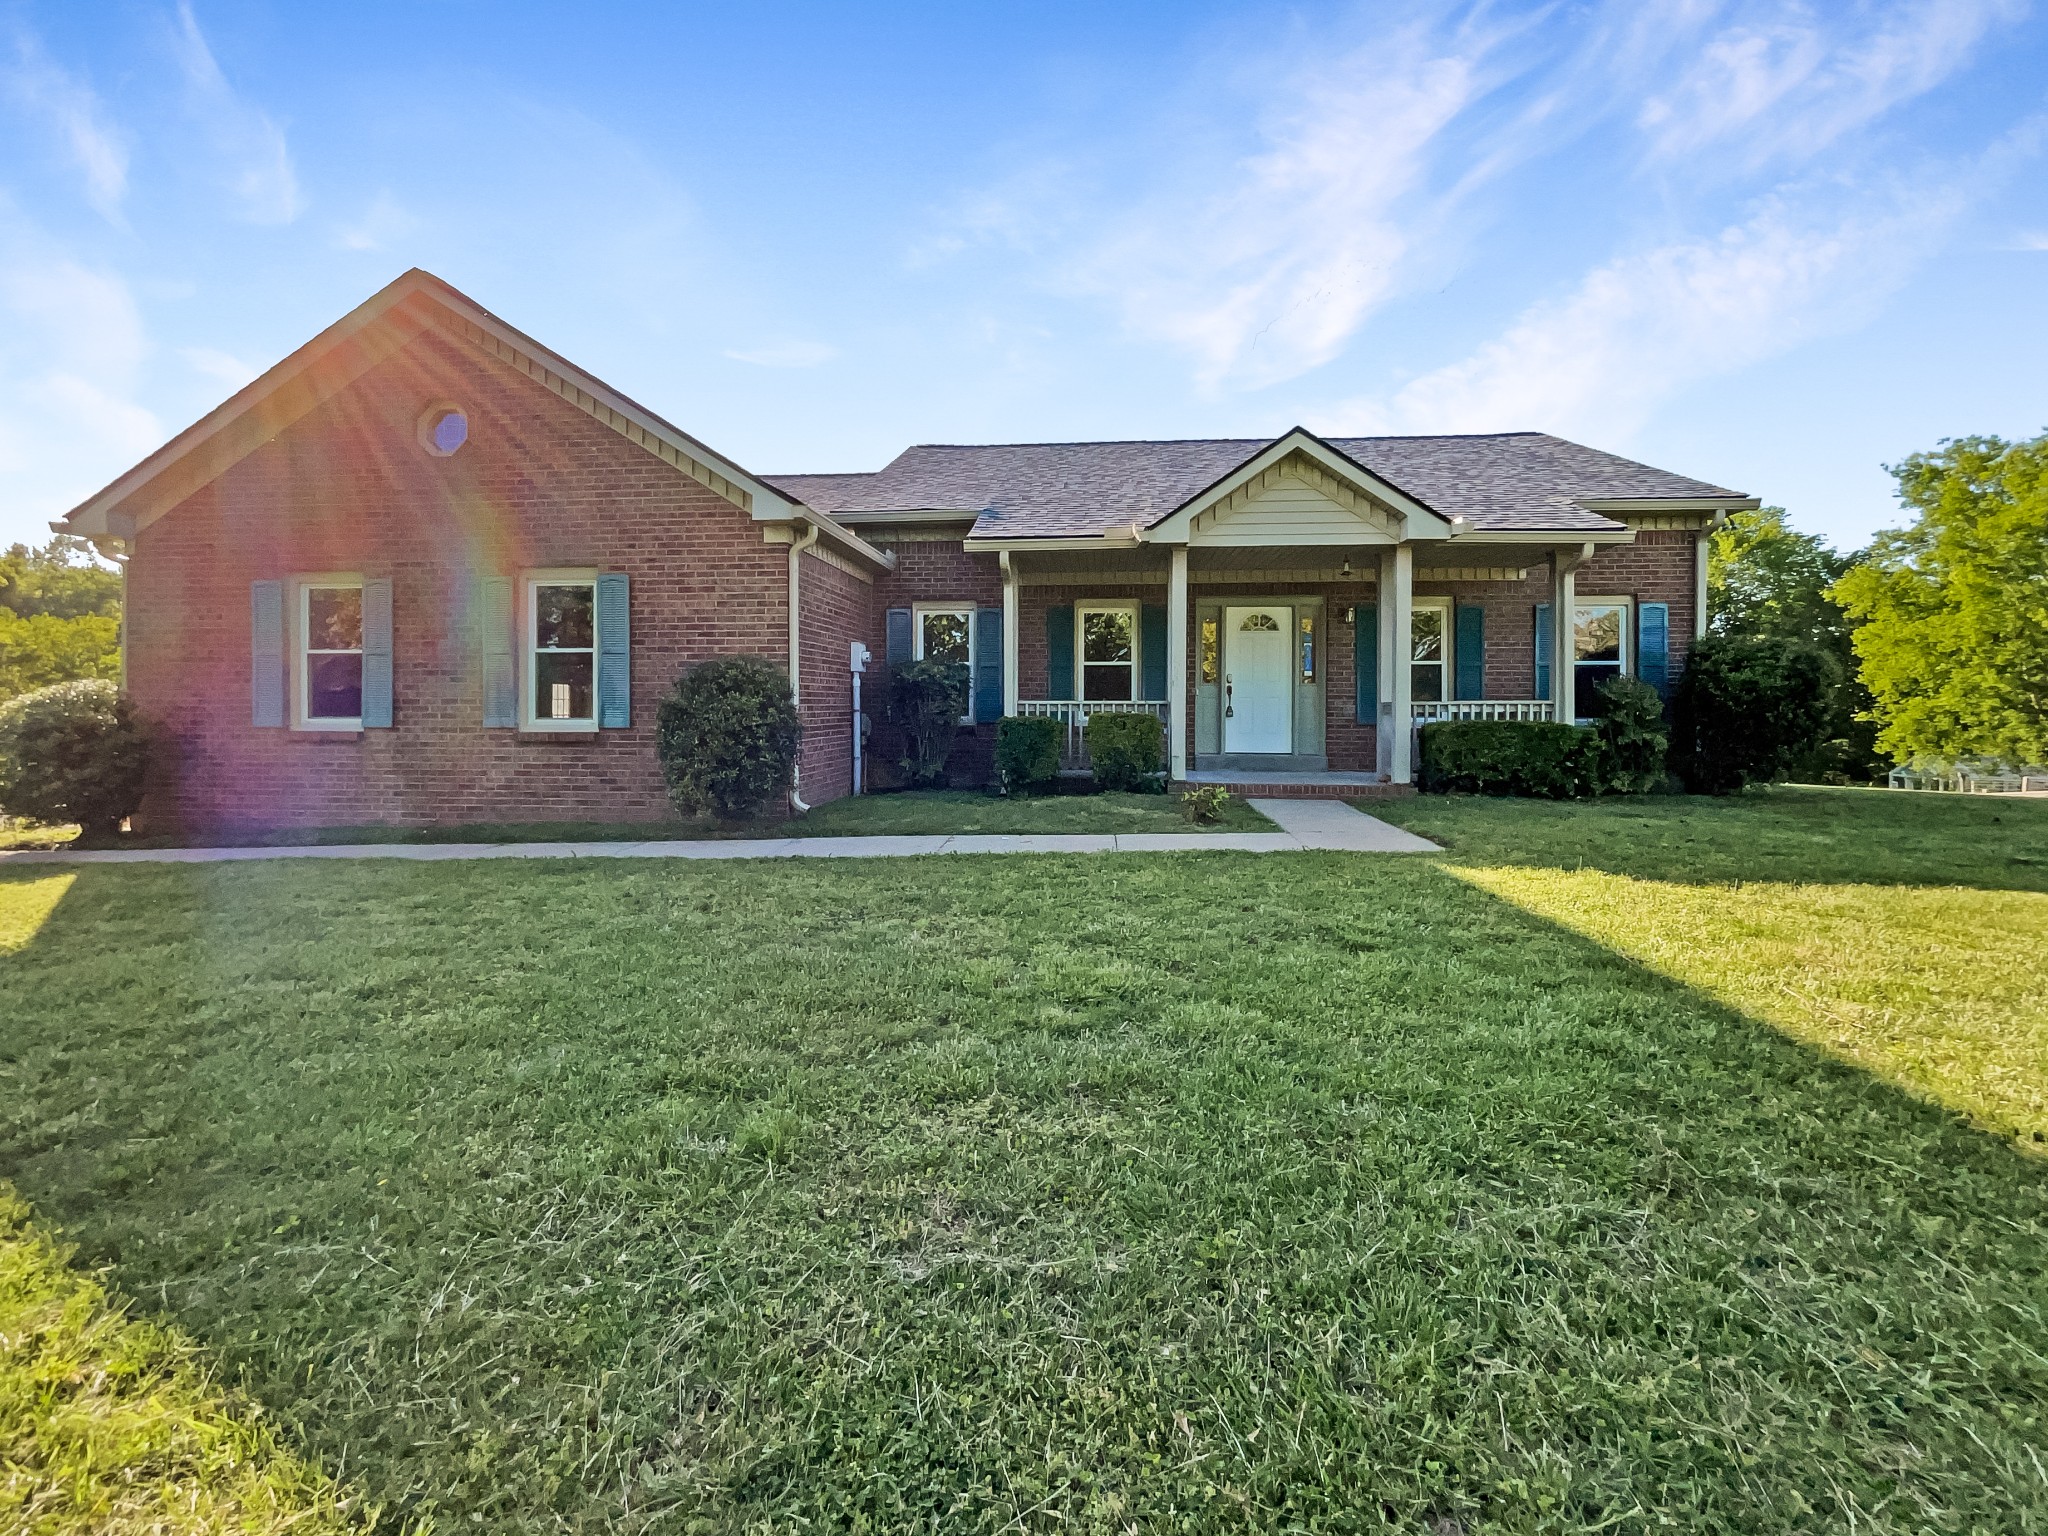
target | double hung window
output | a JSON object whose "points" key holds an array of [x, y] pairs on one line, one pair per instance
{"points": [[1600, 630], [330, 670], [1430, 652], [947, 634], [1109, 653], [561, 651]]}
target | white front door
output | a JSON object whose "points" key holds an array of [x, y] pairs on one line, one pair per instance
{"points": [[1258, 680]]}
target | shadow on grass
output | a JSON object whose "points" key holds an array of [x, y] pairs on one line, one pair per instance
{"points": [[1158, 1192]]}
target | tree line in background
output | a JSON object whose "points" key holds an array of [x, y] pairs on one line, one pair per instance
{"points": [[1929, 647], [60, 616]]}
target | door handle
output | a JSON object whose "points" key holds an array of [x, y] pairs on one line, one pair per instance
{"points": [[1229, 709]]}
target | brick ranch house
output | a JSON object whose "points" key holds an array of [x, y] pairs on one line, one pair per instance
{"points": [[426, 570]]}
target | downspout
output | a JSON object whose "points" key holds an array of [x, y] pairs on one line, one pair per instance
{"points": [[1699, 596], [796, 552]]}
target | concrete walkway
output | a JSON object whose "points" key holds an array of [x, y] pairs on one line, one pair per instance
{"points": [[1303, 824]]}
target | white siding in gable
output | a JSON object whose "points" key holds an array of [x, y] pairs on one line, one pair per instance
{"points": [[1290, 511]]}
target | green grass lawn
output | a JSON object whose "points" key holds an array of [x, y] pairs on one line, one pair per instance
{"points": [[940, 812], [110, 1424], [1198, 1192]]}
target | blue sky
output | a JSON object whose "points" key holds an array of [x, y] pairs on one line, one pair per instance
{"points": [[1770, 244]]}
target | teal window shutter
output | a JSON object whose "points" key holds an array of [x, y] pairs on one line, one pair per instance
{"points": [[1653, 646], [501, 676], [376, 654], [614, 651], [1543, 648], [1152, 650], [896, 636], [1469, 652], [1059, 651], [988, 664], [266, 653], [1365, 661]]}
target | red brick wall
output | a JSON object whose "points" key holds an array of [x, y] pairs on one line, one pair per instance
{"points": [[936, 571], [347, 488], [835, 609], [1660, 567]]}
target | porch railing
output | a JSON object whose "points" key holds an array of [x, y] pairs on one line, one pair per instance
{"points": [[1427, 713], [1074, 715]]}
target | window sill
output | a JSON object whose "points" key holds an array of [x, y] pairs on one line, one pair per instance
{"points": [[566, 736], [324, 733]]}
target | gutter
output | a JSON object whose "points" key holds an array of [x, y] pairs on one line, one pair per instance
{"points": [[796, 553]]}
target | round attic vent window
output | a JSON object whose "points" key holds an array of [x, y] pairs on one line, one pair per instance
{"points": [[443, 429]]}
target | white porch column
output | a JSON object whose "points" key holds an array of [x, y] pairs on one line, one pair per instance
{"points": [[1177, 666], [1011, 619], [1391, 657], [1564, 656], [1400, 601]]}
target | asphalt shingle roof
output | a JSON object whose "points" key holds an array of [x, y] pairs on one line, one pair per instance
{"points": [[1510, 481]]}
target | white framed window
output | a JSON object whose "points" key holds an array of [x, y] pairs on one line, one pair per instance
{"points": [[943, 633], [1430, 650], [327, 675], [1600, 648], [560, 626], [1108, 650]]}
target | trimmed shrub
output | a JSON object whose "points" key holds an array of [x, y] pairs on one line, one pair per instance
{"points": [[1028, 751], [1542, 758], [926, 701], [1124, 750], [72, 752], [1748, 709], [727, 737], [1632, 736]]}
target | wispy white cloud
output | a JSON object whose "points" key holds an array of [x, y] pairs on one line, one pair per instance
{"points": [[75, 114], [252, 146], [1789, 79], [2034, 240], [72, 351], [785, 354], [1641, 327], [1263, 266], [382, 223], [215, 364]]}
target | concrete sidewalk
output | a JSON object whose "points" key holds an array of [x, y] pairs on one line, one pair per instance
{"points": [[1303, 824]]}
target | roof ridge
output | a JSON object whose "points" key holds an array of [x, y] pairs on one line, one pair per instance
{"points": [[1168, 442]]}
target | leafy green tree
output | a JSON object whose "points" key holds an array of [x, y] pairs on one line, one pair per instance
{"points": [[1953, 610], [1768, 581], [63, 579], [60, 616]]}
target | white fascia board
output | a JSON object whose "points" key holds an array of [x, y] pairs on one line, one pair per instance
{"points": [[1116, 538], [1419, 521], [782, 530], [1542, 536], [1672, 504], [895, 515]]}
